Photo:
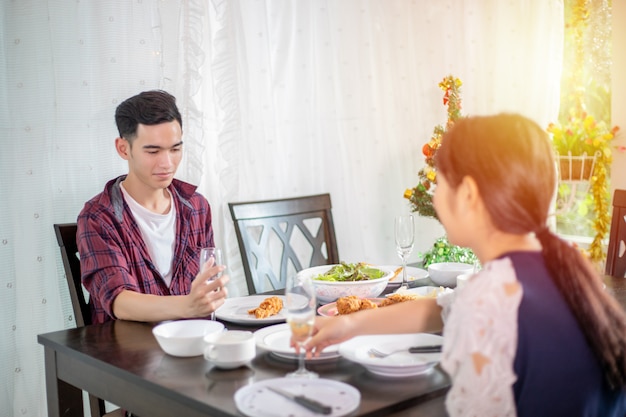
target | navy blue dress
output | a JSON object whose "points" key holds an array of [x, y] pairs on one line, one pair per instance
{"points": [[557, 372]]}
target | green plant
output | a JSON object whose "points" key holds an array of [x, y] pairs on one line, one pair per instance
{"points": [[443, 251]]}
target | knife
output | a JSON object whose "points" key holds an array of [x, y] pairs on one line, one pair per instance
{"points": [[308, 403], [425, 349]]}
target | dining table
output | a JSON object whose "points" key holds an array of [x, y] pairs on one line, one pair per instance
{"points": [[122, 363]]}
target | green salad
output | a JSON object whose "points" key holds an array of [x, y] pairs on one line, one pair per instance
{"points": [[351, 272]]}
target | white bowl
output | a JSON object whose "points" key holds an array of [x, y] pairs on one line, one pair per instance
{"points": [[329, 291], [185, 337], [445, 273]]}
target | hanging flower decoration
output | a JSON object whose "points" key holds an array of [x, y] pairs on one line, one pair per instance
{"points": [[582, 134], [421, 196]]}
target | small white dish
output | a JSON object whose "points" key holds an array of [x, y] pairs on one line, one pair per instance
{"points": [[445, 273], [275, 339], [256, 400], [398, 365], [185, 337], [235, 310]]}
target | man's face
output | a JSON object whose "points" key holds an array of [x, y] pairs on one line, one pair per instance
{"points": [[154, 155]]}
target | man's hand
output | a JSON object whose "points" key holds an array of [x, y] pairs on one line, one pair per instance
{"points": [[203, 299], [206, 296]]}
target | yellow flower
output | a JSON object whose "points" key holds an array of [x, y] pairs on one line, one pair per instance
{"points": [[408, 193]]}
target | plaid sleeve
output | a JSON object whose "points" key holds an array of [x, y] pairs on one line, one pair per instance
{"points": [[104, 269]]}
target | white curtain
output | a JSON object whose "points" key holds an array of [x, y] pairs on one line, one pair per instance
{"points": [[280, 98]]}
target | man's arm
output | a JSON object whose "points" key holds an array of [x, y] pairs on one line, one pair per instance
{"points": [[204, 298]]}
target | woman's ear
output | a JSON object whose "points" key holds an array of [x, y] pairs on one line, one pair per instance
{"points": [[468, 194], [122, 146]]}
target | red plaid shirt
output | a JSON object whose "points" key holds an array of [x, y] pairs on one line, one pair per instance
{"points": [[114, 257]]}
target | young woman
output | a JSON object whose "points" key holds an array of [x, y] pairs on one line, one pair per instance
{"points": [[533, 333]]}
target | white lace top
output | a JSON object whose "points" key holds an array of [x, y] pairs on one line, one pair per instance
{"points": [[480, 342]]}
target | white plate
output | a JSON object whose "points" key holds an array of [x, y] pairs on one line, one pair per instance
{"points": [[256, 400], [276, 339], [236, 309], [400, 364], [412, 274]]}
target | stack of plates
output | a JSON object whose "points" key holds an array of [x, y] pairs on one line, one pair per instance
{"points": [[401, 364], [275, 339]]}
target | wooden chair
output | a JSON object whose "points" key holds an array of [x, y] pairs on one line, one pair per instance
{"points": [[280, 237], [616, 256], [66, 237]]}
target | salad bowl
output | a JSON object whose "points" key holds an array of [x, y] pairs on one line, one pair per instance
{"points": [[329, 289]]}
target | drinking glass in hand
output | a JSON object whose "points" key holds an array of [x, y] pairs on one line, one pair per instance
{"points": [[404, 232], [214, 255], [300, 304]]}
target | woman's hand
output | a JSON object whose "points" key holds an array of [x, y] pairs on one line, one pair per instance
{"points": [[329, 331]]}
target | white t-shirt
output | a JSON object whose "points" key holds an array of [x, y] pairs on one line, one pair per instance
{"points": [[158, 232]]}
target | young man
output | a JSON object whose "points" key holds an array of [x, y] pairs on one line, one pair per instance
{"points": [[139, 240]]}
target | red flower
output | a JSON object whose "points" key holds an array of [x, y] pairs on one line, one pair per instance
{"points": [[427, 150]]}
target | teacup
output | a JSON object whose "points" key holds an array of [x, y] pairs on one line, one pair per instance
{"points": [[230, 349], [462, 279]]}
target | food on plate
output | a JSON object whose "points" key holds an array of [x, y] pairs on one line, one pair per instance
{"points": [[352, 303], [351, 272], [268, 307], [395, 274], [398, 298]]}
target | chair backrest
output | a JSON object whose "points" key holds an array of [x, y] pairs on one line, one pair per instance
{"points": [[615, 258], [66, 237], [279, 237]]}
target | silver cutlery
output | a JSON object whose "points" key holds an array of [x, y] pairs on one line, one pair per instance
{"points": [[306, 402], [375, 353]]}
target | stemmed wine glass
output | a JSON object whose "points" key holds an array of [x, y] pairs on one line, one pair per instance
{"points": [[404, 232], [300, 304], [206, 254]]}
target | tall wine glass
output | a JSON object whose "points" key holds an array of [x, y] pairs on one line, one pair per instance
{"points": [[300, 304], [206, 255], [404, 232]]}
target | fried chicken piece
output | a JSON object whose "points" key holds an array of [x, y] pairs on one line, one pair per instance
{"points": [[349, 304], [367, 304], [352, 303], [267, 308], [398, 298]]}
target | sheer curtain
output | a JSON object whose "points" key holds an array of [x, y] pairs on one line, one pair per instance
{"points": [[280, 98]]}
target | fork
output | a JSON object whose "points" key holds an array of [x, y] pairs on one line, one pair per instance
{"points": [[375, 353]]}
